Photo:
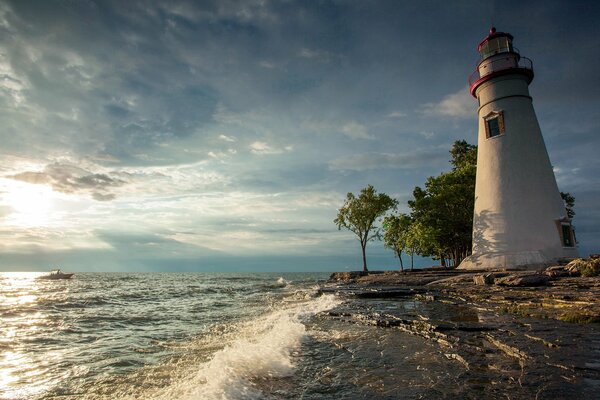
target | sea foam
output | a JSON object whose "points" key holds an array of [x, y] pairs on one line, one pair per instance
{"points": [[263, 349]]}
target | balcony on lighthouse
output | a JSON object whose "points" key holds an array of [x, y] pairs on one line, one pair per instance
{"points": [[498, 57]]}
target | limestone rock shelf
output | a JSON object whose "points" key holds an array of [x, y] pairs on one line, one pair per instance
{"points": [[534, 331]]}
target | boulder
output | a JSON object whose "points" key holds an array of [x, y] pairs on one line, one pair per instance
{"points": [[483, 279], [523, 280]]}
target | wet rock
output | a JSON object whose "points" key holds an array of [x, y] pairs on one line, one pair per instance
{"points": [[452, 280], [346, 276], [523, 280], [558, 271], [387, 293], [409, 278], [372, 293], [510, 351], [514, 335]]}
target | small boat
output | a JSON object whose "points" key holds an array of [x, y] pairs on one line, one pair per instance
{"points": [[57, 274]]}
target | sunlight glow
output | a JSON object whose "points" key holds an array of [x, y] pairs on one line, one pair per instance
{"points": [[30, 205]]}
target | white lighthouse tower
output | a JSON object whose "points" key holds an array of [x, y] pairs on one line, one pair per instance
{"points": [[520, 219]]}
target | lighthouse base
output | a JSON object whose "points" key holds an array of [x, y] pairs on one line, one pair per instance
{"points": [[518, 260]]}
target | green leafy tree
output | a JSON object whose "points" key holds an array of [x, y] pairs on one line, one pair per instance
{"points": [[359, 215], [444, 207], [418, 239], [464, 155], [395, 233], [569, 201]]}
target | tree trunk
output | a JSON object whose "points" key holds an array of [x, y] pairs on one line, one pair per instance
{"points": [[400, 258], [365, 269], [412, 255]]}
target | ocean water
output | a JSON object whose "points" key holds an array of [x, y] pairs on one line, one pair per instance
{"points": [[240, 336], [151, 335]]}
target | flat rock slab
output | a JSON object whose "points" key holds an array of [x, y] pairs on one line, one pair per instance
{"points": [[373, 293], [523, 280]]}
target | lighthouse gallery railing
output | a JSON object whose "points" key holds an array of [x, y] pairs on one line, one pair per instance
{"points": [[500, 65]]}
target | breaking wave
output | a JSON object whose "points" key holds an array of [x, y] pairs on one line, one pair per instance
{"points": [[263, 348]]}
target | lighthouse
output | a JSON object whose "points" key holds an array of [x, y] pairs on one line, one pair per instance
{"points": [[519, 219]]}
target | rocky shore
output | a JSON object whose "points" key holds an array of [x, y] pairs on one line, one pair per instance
{"points": [[536, 333]]}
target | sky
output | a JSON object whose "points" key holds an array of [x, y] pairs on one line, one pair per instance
{"points": [[223, 135]]}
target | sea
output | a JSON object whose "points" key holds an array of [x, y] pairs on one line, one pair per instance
{"points": [[220, 336]]}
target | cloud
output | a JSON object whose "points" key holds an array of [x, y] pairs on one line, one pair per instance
{"points": [[11, 85], [318, 55], [267, 65], [372, 161], [68, 178], [456, 105], [355, 130], [263, 148], [427, 134], [227, 138], [397, 114], [183, 112]]}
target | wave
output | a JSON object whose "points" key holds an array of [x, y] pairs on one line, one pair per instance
{"points": [[263, 348], [282, 282]]}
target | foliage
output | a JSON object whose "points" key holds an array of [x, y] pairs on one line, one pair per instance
{"points": [[418, 239], [569, 201], [444, 208], [395, 228], [359, 214], [590, 267], [464, 155]]}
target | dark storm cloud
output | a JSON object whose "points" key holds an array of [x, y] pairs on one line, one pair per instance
{"points": [[73, 179]]}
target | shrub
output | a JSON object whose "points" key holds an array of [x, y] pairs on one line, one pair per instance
{"points": [[591, 267]]}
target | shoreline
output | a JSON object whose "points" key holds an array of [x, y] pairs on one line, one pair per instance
{"points": [[534, 331]]}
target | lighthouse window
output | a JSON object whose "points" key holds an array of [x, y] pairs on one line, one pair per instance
{"points": [[567, 237], [494, 124], [495, 46], [566, 232]]}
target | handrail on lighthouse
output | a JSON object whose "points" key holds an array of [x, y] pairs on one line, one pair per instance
{"points": [[500, 66]]}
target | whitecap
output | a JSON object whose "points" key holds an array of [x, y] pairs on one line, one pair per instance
{"points": [[264, 348]]}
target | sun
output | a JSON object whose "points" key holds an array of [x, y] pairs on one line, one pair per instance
{"points": [[26, 204]]}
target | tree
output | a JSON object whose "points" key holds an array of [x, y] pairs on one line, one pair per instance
{"points": [[359, 214], [569, 201], [418, 239], [395, 228], [445, 207], [464, 155]]}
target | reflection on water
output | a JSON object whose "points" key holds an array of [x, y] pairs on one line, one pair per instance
{"points": [[21, 374]]}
